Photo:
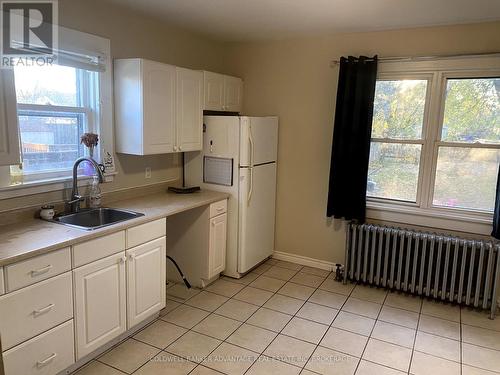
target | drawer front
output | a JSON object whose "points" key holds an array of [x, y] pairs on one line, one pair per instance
{"points": [[218, 208], [2, 285], [146, 232], [21, 274], [32, 310], [47, 354], [99, 248]]}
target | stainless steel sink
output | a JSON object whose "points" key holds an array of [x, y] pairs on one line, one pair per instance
{"points": [[96, 218]]}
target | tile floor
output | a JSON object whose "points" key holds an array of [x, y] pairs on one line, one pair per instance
{"points": [[284, 318]]}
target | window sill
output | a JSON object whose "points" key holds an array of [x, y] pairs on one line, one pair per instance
{"points": [[474, 223], [45, 186]]}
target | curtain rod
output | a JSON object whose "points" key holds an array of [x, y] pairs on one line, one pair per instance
{"points": [[334, 63]]}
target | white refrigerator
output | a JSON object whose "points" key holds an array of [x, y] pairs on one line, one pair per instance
{"points": [[239, 157]]}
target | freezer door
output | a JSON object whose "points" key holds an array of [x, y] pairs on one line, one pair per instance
{"points": [[257, 202], [258, 140]]}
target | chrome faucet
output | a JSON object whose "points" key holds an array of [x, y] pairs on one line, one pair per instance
{"points": [[74, 203]]}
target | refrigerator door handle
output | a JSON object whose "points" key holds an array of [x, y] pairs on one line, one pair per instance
{"points": [[250, 188], [252, 148], [252, 151]]}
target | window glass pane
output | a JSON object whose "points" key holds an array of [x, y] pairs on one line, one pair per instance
{"points": [[393, 171], [54, 85], [472, 110], [399, 109], [466, 178], [50, 142]]}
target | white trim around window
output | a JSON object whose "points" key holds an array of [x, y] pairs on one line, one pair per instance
{"points": [[423, 212], [81, 44]]}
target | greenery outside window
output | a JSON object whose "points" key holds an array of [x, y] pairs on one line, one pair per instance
{"points": [[435, 148]]}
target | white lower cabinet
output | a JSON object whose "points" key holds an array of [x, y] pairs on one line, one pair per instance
{"points": [[100, 303], [146, 280], [30, 311], [48, 353], [217, 245]]}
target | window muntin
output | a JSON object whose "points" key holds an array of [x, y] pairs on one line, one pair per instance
{"points": [[56, 105]]}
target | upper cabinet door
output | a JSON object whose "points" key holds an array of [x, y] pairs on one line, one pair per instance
{"points": [[9, 130], [159, 107], [233, 94], [189, 110], [214, 91]]}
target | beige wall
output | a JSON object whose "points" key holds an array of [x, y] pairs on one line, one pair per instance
{"points": [[293, 79], [133, 35]]}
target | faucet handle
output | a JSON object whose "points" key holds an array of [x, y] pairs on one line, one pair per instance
{"points": [[76, 199]]}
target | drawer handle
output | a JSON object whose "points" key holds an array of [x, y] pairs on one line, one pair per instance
{"points": [[46, 360], [43, 310], [41, 270]]}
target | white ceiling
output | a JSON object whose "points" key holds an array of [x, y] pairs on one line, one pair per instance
{"points": [[242, 20]]}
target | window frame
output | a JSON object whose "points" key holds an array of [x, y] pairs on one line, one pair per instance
{"points": [[87, 45], [87, 87], [423, 212]]}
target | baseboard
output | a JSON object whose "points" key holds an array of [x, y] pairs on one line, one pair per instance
{"points": [[305, 261]]}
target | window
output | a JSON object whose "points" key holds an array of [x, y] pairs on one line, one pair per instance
{"points": [[397, 139], [56, 105], [435, 147]]}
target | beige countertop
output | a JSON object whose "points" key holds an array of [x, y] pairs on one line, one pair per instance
{"points": [[27, 239]]}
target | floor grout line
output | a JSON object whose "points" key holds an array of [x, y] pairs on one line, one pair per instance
{"points": [[258, 355]]}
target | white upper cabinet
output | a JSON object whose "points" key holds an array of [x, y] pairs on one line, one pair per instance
{"points": [[214, 91], [158, 108], [233, 91], [189, 110], [222, 93], [9, 132]]}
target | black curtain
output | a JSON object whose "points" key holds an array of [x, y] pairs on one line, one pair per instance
{"points": [[351, 138], [496, 214]]}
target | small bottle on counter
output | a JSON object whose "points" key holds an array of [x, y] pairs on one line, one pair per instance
{"points": [[95, 194]]}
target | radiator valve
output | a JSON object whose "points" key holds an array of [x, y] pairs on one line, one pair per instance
{"points": [[339, 272]]}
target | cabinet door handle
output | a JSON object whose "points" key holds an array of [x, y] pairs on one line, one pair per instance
{"points": [[131, 257], [175, 148], [43, 310], [213, 223], [180, 148], [46, 360], [122, 259], [41, 270]]}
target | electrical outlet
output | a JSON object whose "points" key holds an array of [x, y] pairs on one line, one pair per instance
{"points": [[148, 172]]}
